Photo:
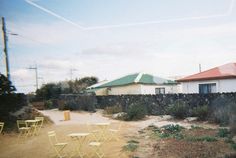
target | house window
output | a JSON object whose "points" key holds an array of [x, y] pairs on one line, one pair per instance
{"points": [[160, 90], [207, 88]]}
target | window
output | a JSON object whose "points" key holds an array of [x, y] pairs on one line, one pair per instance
{"points": [[160, 90], [207, 88]]}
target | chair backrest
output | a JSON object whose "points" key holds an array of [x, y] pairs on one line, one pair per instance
{"points": [[1, 126], [52, 137], [21, 123], [41, 120]]}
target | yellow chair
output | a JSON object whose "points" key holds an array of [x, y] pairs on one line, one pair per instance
{"points": [[96, 147], [1, 126], [58, 147], [114, 133], [94, 133], [40, 123], [23, 129]]}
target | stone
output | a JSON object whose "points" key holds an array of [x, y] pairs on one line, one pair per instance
{"points": [[118, 115], [190, 119], [234, 139]]}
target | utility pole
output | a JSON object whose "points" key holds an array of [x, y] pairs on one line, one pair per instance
{"points": [[36, 75], [200, 68], [5, 48], [71, 73]]}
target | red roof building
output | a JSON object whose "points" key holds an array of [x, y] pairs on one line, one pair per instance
{"points": [[222, 72], [216, 80]]}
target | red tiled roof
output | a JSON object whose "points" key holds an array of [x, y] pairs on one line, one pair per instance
{"points": [[221, 72]]}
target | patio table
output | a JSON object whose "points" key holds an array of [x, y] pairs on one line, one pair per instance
{"points": [[103, 128], [79, 139]]}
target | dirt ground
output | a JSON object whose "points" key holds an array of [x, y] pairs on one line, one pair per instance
{"points": [[39, 147]]}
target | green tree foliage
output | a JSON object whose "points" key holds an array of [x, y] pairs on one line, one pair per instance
{"points": [[80, 85], [6, 86], [48, 91], [53, 90]]}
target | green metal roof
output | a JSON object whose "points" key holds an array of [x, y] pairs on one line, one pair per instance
{"points": [[137, 78]]}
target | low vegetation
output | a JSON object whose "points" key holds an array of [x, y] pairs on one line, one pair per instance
{"points": [[136, 112], [131, 146], [112, 109]]}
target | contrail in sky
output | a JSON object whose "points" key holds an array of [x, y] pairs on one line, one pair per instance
{"points": [[228, 13]]}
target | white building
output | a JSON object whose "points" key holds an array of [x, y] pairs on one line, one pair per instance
{"points": [[138, 83], [217, 80]]}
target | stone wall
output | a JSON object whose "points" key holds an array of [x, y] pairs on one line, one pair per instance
{"points": [[157, 104]]}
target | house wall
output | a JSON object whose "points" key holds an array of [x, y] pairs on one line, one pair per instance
{"points": [[128, 89], [142, 89], [102, 91], [223, 85], [150, 89]]}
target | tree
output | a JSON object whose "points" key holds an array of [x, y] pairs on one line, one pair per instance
{"points": [[6, 86], [48, 91], [80, 85]]}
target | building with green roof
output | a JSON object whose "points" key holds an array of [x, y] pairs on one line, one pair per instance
{"points": [[138, 83]]}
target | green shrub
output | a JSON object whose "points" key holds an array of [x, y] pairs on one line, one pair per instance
{"points": [[169, 131], [201, 112], [113, 109], [193, 127], [136, 112], [223, 132], [48, 104], [179, 109], [203, 138], [223, 111], [131, 145]]}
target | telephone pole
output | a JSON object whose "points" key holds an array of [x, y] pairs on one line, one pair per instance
{"points": [[36, 75], [71, 73], [200, 68], [5, 48]]}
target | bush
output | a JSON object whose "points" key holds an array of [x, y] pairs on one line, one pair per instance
{"points": [[136, 112], [131, 146], [200, 139], [113, 109], [223, 132], [48, 104], [223, 111], [201, 112], [178, 109]]}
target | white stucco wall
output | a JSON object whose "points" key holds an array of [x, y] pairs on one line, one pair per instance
{"points": [[223, 85], [150, 89], [129, 89], [142, 89]]}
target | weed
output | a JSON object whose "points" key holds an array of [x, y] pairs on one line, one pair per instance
{"points": [[203, 138], [223, 132], [193, 127], [131, 146]]}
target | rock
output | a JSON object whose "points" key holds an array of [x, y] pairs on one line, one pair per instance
{"points": [[234, 139], [166, 117], [190, 119], [119, 115]]}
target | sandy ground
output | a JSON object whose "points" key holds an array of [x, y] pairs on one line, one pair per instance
{"points": [[39, 147]]}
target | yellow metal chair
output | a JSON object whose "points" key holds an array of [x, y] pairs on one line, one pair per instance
{"points": [[1, 126], [23, 129], [94, 133], [58, 147], [40, 123], [96, 147], [114, 133]]}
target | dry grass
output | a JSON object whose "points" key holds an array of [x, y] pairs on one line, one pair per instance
{"points": [[39, 147]]}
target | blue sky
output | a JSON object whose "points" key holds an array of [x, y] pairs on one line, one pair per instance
{"points": [[111, 38]]}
